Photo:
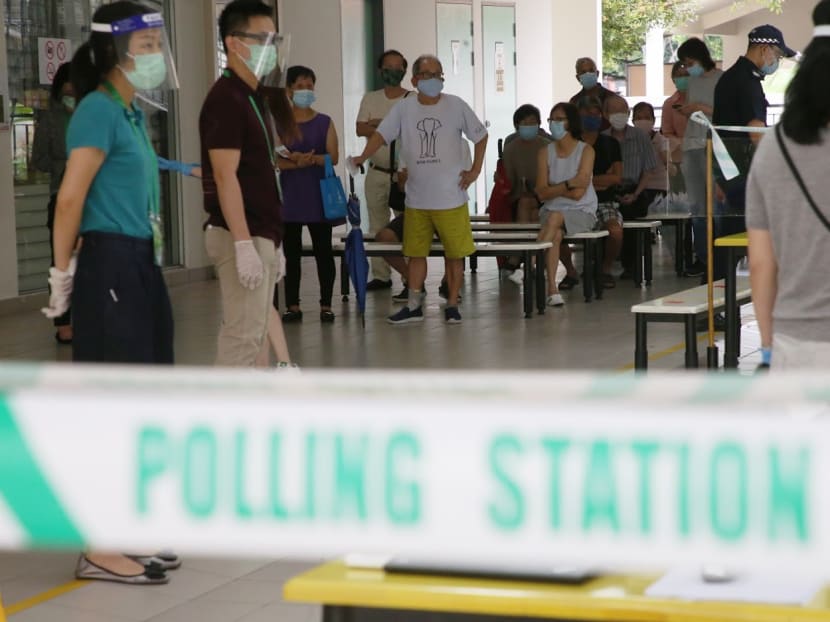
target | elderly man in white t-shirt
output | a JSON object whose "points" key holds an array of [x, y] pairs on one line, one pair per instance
{"points": [[431, 127], [374, 106]]}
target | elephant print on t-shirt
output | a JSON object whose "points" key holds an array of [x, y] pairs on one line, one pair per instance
{"points": [[427, 129]]}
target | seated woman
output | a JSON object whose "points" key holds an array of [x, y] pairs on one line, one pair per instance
{"points": [[564, 186]]}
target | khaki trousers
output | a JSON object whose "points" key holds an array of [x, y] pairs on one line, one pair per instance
{"points": [[244, 311], [377, 205]]}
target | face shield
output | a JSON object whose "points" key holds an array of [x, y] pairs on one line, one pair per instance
{"points": [[143, 51], [267, 55]]}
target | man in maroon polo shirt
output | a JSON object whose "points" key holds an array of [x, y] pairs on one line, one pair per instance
{"points": [[243, 230]]}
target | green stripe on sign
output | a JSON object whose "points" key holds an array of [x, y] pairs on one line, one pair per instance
{"points": [[27, 492]]}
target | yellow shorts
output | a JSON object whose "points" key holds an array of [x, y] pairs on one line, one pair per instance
{"points": [[452, 225]]}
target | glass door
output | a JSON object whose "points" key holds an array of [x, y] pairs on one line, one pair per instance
{"points": [[455, 51], [499, 66]]}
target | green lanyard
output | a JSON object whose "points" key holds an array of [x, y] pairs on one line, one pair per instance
{"points": [[154, 209], [265, 131]]}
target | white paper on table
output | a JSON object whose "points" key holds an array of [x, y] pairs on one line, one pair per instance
{"points": [[784, 587]]}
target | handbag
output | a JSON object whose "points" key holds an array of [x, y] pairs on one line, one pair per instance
{"points": [[397, 197], [334, 196], [798, 179]]}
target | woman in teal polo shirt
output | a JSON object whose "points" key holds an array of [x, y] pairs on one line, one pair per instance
{"points": [[109, 197]]}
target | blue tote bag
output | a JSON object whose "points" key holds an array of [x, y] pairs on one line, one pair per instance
{"points": [[334, 196]]}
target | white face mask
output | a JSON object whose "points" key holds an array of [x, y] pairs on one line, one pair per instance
{"points": [[647, 125], [618, 120]]}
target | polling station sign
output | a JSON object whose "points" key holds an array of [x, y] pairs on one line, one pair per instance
{"points": [[481, 468]]}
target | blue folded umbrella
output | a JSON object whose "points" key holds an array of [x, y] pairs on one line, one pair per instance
{"points": [[356, 261]]}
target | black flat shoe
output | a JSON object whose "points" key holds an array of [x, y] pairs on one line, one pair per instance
{"points": [[327, 317], [292, 316]]}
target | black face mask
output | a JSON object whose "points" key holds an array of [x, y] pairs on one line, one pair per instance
{"points": [[392, 77]]}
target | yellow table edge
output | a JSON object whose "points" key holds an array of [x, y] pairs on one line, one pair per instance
{"points": [[735, 240], [2, 615], [335, 584]]}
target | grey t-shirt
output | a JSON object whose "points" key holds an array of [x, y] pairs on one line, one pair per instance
{"points": [[701, 91], [801, 243]]}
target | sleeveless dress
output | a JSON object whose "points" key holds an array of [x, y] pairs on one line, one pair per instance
{"points": [[302, 199], [580, 215]]}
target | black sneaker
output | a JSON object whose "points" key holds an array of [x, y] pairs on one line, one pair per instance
{"points": [[696, 269], [403, 296], [376, 284], [405, 316], [452, 316]]}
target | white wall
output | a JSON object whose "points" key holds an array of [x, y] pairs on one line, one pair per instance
{"points": [[410, 27], [574, 34], [8, 233], [534, 54], [194, 31], [315, 29]]}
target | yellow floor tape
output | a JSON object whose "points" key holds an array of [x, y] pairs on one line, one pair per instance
{"points": [[38, 599], [2, 615]]}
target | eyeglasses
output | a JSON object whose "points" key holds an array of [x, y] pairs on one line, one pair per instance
{"points": [[261, 37], [428, 75]]}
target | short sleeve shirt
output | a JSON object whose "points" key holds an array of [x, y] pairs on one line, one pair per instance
{"points": [[229, 120], [118, 200], [637, 154], [375, 105], [739, 99], [432, 138]]}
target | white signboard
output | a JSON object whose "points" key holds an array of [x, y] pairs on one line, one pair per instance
{"points": [[611, 473], [51, 54]]}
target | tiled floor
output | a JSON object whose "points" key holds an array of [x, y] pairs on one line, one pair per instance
{"points": [[494, 335]]}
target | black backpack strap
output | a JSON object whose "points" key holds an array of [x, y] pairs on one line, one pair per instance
{"points": [[785, 152]]}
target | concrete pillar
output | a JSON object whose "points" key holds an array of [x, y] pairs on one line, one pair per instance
{"points": [[654, 65]]}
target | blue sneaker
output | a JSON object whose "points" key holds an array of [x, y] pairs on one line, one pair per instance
{"points": [[405, 316], [452, 316]]}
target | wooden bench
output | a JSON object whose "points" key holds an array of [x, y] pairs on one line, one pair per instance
{"points": [[643, 262], [527, 250], [682, 224], [688, 307]]}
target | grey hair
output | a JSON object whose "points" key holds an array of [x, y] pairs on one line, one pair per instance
{"points": [[416, 66], [584, 59], [612, 98]]}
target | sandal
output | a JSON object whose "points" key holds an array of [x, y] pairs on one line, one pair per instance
{"points": [[166, 560], [569, 282], [608, 281], [152, 575], [292, 316]]}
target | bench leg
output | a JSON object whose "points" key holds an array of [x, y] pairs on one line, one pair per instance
{"points": [[588, 270], [648, 259], [639, 252], [527, 285], [692, 361], [640, 342], [344, 278], [473, 263], [540, 281], [599, 256], [679, 246]]}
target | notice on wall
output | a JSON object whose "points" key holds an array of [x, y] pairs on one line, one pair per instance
{"points": [[455, 45], [499, 64], [51, 54]]}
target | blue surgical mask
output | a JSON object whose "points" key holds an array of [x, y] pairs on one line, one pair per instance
{"points": [[682, 83], [588, 80], [149, 73], [263, 59], [557, 129], [695, 71], [591, 123], [431, 87], [528, 132], [770, 68], [303, 98]]}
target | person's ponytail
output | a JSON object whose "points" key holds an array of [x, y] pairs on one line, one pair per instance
{"points": [[83, 73]]}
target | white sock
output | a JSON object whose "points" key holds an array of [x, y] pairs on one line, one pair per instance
{"points": [[414, 300]]}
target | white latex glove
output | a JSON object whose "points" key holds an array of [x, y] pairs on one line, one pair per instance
{"points": [[60, 284], [248, 264], [280, 265]]}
